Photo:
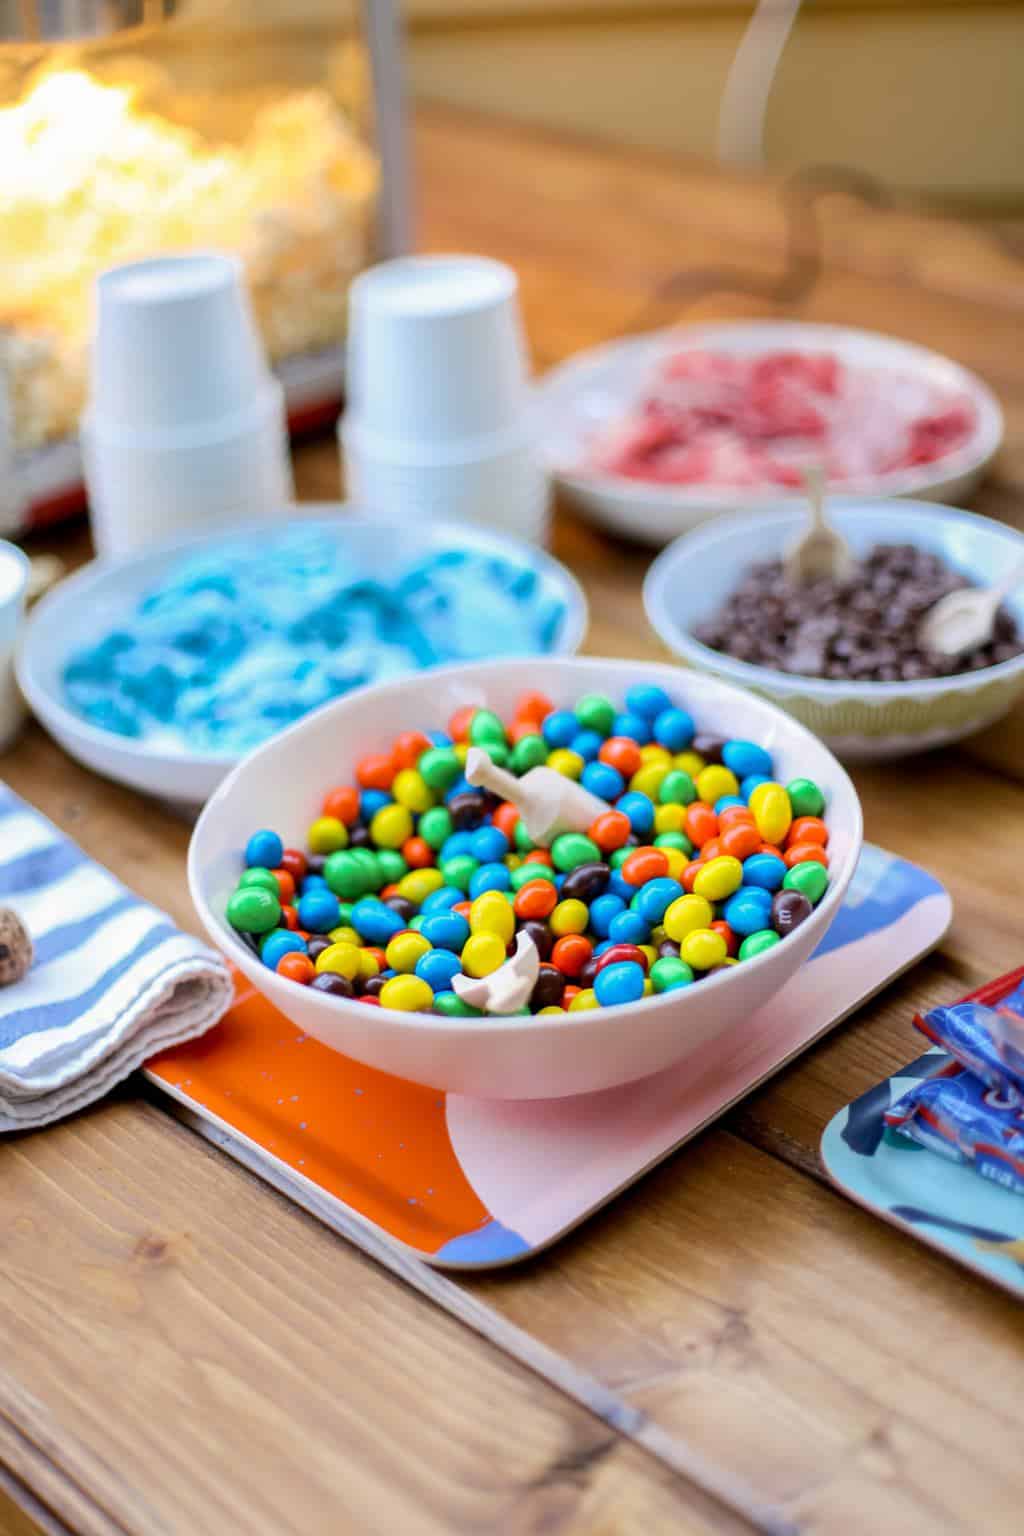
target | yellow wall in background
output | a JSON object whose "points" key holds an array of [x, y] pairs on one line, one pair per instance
{"points": [[926, 97]]}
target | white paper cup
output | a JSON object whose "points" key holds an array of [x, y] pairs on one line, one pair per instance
{"points": [[435, 351], [14, 572]]}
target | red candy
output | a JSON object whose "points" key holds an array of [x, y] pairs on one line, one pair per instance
{"points": [[295, 863], [618, 952]]}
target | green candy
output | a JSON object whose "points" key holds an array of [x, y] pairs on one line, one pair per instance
{"points": [[436, 826], [529, 752], [416, 922], [499, 753], [347, 875], [452, 1006], [596, 713], [439, 768], [258, 878], [524, 842], [805, 797], [486, 727], [756, 943], [572, 849], [618, 857], [674, 840], [810, 877], [459, 870], [677, 788], [252, 909], [344, 914], [527, 872], [391, 864], [670, 972]]}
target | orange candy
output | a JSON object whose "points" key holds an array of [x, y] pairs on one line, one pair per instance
{"points": [[570, 955], [621, 752], [610, 831], [289, 916], [568, 995], [735, 816], [539, 856], [711, 849], [378, 955], [741, 839], [417, 853], [285, 885], [409, 747], [458, 725], [805, 853], [297, 968], [376, 771], [343, 803], [388, 891], [520, 728], [731, 942], [644, 864], [808, 829], [535, 900], [701, 823], [463, 908], [690, 874], [533, 706], [506, 819]]}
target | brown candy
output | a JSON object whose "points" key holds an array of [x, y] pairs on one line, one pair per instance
{"points": [[337, 986], [585, 882], [789, 910], [547, 989], [468, 809], [542, 936], [316, 945], [403, 906]]}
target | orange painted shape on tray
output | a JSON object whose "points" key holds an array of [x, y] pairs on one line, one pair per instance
{"points": [[376, 1142]]}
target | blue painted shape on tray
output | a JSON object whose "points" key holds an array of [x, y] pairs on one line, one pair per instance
{"points": [[883, 888], [489, 1244], [865, 1127]]}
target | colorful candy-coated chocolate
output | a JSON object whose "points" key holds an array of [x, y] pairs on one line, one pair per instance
{"points": [[669, 972], [810, 877], [409, 994], [622, 982]]}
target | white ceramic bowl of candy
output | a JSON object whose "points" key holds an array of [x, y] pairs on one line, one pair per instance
{"points": [[282, 786], [162, 670]]}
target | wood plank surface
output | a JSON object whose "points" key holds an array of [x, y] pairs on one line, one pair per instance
{"points": [[188, 1352]]}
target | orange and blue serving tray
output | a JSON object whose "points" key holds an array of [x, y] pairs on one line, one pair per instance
{"points": [[472, 1183]]}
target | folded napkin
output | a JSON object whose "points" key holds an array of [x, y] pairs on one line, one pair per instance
{"points": [[113, 980]]}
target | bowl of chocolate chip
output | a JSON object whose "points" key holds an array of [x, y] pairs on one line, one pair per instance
{"points": [[844, 651]]}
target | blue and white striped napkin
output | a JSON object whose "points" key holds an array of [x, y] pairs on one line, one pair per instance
{"points": [[113, 980]]}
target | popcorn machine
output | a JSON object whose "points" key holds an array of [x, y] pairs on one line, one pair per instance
{"points": [[269, 128]]}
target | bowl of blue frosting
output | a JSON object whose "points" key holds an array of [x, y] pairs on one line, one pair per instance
{"points": [[161, 671]]}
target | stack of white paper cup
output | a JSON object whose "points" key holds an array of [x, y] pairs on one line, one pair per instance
{"points": [[186, 427], [438, 421]]}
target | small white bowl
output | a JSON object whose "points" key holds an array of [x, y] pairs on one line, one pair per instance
{"points": [[282, 785], [82, 609], [858, 720], [596, 388]]}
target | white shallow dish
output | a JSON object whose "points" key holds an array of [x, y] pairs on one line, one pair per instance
{"points": [[282, 785], [859, 721], [596, 388], [87, 606]]}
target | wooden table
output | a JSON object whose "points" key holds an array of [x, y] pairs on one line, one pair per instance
{"points": [[184, 1351]]}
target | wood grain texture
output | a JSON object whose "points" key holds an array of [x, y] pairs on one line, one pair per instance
{"points": [[188, 1353]]}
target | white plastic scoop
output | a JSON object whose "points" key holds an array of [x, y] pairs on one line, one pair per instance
{"points": [[821, 551], [962, 621], [548, 802], [508, 988]]}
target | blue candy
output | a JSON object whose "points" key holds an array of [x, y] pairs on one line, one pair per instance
{"points": [[462, 786], [619, 886], [445, 930], [750, 783], [654, 898], [319, 911], [374, 921], [640, 810], [489, 877], [629, 928], [488, 844], [439, 739], [622, 982], [749, 910], [674, 729], [442, 900], [599, 949], [437, 967], [587, 744], [264, 850], [456, 844], [628, 724], [603, 780], [602, 910], [313, 883], [559, 727], [746, 758], [647, 700], [370, 802], [280, 942], [727, 800], [765, 870]]}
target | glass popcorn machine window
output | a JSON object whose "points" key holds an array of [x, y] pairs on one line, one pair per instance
{"points": [[269, 128]]}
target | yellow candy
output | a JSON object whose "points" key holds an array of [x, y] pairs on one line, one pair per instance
{"points": [[703, 949], [568, 764], [690, 762], [686, 914], [339, 960], [412, 790], [648, 986], [719, 878], [461, 750], [409, 994], [584, 999], [715, 781], [404, 949], [327, 835], [658, 935], [654, 752], [650, 951], [552, 1008], [677, 862], [491, 913], [369, 965], [482, 953], [391, 826], [772, 811], [418, 884], [724, 964], [570, 916], [513, 861], [670, 818], [344, 935], [649, 779]]}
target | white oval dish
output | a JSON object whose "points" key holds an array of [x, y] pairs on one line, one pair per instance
{"points": [[858, 720], [282, 785], [595, 388], [87, 605]]}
